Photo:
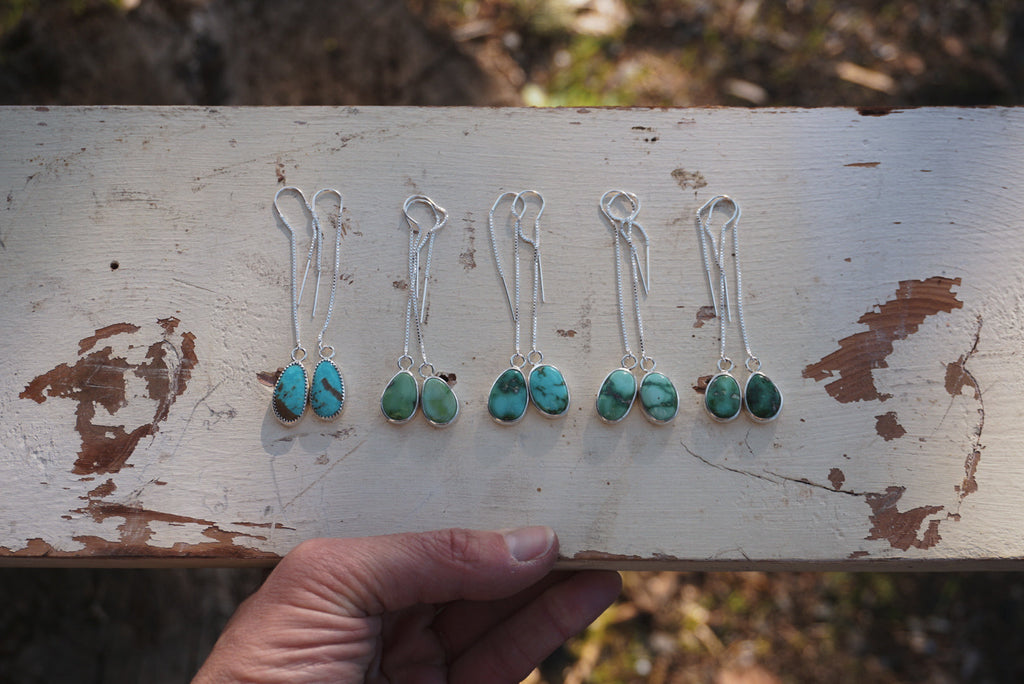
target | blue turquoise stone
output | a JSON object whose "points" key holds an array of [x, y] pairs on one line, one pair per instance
{"points": [[509, 397], [290, 394], [440, 406], [762, 398], [327, 393], [659, 398], [616, 395], [722, 397], [548, 391], [399, 400]]}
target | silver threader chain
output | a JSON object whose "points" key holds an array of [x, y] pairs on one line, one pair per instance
{"points": [[517, 360], [622, 228], [519, 206], [714, 250], [296, 356], [319, 236], [415, 307]]}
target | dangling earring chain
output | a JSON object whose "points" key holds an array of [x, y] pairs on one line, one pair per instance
{"points": [[414, 310], [535, 356], [294, 268], [517, 360], [623, 228], [721, 304], [319, 237]]}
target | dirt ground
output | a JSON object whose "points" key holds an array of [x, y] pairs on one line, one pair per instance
{"points": [[726, 628]]}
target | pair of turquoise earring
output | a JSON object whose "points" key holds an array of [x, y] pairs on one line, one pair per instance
{"points": [[723, 399], [513, 390], [403, 396], [292, 391], [619, 390]]}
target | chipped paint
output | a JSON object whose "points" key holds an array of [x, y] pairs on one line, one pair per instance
{"points": [[693, 180], [888, 426], [99, 379], [704, 314], [900, 528], [468, 257], [860, 354], [837, 478]]}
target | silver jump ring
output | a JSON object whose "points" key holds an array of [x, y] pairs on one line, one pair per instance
{"points": [[629, 361], [295, 357], [404, 362], [753, 364], [323, 351], [424, 366], [725, 364], [534, 357], [647, 364], [517, 360]]}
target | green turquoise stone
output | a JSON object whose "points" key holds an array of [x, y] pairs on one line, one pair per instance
{"points": [[400, 397], [616, 395], [509, 397], [327, 392], [290, 394], [659, 398], [762, 397], [548, 391], [440, 406], [722, 397]]}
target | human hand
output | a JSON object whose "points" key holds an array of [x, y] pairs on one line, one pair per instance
{"points": [[444, 606]]}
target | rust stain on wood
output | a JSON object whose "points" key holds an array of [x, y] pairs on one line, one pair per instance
{"points": [[702, 384], [603, 556], [561, 332], [704, 314], [864, 165], [100, 379], [888, 426], [897, 319], [901, 528]]}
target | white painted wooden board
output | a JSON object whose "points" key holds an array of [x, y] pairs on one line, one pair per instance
{"points": [[883, 276]]}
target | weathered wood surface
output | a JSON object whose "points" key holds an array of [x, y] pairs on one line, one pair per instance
{"points": [[882, 272]]}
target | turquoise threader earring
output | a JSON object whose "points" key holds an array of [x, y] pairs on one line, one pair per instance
{"points": [[722, 398]]}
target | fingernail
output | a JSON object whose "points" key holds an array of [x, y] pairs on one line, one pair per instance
{"points": [[528, 543]]}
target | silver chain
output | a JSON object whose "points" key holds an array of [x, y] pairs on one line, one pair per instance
{"points": [[337, 265], [622, 227], [535, 356], [294, 267], [717, 253], [517, 360], [415, 307]]}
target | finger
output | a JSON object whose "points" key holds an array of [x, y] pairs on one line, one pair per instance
{"points": [[513, 648], [374, 575], [461, 623]]}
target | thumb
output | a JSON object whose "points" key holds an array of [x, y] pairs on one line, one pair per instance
{"points": [[373, 575]]}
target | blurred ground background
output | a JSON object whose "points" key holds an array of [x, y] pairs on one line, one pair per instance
{"points": [[725, 628]]}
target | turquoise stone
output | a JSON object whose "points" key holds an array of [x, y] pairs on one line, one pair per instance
{"points": [[762, 397], [509, 397], [290, 394], [616, 395], [548, 391], [327, 393], [440, 406], [400, 398], [722, 397], [659, 398]]}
